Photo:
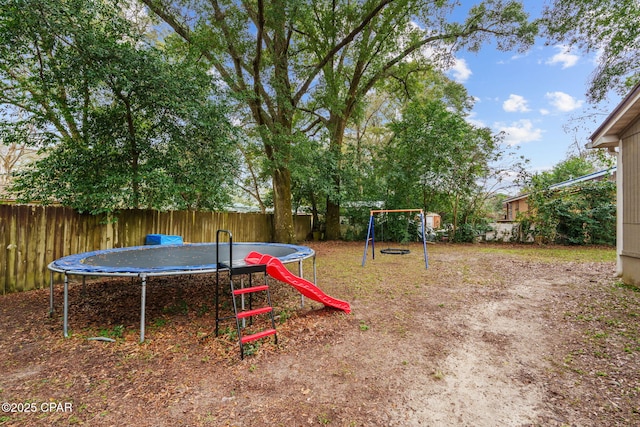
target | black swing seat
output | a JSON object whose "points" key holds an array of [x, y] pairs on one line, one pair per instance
{"points": [[395, 251]]}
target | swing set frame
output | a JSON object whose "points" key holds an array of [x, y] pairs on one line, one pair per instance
{"points": [[371, 234]]}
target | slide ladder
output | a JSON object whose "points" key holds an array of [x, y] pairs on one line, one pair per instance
{"points": [[241, 314]]}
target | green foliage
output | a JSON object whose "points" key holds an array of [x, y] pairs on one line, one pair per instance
{"points": [[310, 67], [609, 27], [116, 332], [570, 168], [122, 124], [470, 232], [127, 123], [399, 227], [435, 161], [577, 215]]}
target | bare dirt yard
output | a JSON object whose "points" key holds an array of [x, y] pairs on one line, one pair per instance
{"points": [[487, 336]]}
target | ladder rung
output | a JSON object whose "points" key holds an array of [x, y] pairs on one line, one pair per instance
{"points": [[255, 312], [239, 269], [248, 338], [250, 290]]}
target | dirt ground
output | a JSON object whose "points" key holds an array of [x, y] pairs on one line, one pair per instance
{"points": [[487, 336]]}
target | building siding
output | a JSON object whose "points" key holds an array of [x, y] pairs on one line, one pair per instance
{"points": [[631, 195]]}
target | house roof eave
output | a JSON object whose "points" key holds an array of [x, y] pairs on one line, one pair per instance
{"points": [[609, 132]]}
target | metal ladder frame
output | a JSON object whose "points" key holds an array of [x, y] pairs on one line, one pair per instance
{"points": [[237, 270]]}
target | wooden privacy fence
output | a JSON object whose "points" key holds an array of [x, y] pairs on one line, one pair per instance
{"points": [[32, 236]]}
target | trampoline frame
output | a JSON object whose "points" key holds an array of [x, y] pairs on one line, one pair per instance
{"points": [[297, 256]]}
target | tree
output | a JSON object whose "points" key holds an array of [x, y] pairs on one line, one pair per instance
{"points": [[436, 159], [15, 151], [570, 168], [582, 214], [402, 40], [609, 27], [124, 124], [276, 56], [248, 44]]}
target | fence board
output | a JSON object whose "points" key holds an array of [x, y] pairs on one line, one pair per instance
{"points": [[32, 236]]}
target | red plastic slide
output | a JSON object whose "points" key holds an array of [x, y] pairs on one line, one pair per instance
{"points": [[278, 271]]}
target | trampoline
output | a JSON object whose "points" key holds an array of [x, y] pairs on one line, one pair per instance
{"points": [[164, 260]]}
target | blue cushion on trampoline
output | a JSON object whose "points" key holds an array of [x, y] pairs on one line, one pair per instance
{"points": [[162, 239]]}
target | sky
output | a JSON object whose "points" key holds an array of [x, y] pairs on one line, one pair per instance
{"points": [[532, 97]]}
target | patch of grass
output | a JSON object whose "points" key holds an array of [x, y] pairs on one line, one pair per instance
{"points": [[323, 419], [116, 332], [203, 309], [74, 420], [363, 326], [556, 253], [250, 349], [180, 307], [601, 355], [284, 315], [160, 322], [627, 286], [598, 334], [229, 332]]}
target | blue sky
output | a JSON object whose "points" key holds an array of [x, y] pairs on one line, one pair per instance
{"points": [[532, 97]]}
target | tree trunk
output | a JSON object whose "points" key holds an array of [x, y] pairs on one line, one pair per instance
{"points": [[332, 220], [337, 126], [282, 219]]}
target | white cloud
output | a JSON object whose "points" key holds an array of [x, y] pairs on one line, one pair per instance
{"points": [[515, 103], [519, 132], [473, 120], [563, 102], [564, 57], [460, 70], [519, 56]]}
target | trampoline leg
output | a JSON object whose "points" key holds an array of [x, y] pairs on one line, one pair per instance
{"points": [[143, 300], [300, 274], [51, 294], [65, 314], [215, 302], [315, 272]]}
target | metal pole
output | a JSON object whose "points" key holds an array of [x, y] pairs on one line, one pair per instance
{"points": [[242, 305], [65, 314], [301, 274], [424, 240], [50, 293], [366, 243], [373, 237], [143, 302], [315, 275]]}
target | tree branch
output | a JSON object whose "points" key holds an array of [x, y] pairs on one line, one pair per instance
{"points": [[348, 39]]}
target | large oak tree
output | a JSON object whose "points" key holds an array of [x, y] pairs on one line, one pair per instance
{"points": [[288, 59]]}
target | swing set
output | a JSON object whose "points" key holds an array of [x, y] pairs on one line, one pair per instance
{"points": [[392, 251]]}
